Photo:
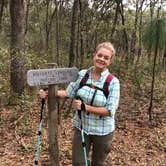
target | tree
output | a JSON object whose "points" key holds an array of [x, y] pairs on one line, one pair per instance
{"points": [[17, 68], [1, 12], [73, 33], [125, 43], [154, 37]]}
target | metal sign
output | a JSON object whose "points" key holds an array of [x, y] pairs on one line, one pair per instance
{"points": [[51, 76]]}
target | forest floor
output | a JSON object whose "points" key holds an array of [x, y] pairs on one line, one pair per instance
{"points": [[136, 142]]}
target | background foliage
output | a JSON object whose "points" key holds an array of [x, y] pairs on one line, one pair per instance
{"points": [[129, 25]]}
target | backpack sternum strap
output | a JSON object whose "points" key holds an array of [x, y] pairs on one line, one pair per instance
{"points": [[93, 86], [105, 88]]}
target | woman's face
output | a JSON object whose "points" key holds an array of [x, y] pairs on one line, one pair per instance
{"points": [[102, 59]]}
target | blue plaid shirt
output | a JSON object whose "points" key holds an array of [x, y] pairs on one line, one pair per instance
{"points": [[94, 124]]}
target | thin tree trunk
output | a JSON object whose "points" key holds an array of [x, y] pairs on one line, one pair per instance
{"points": [[61, 22], [57, 34], [26, 16], [1, 13], [47, 25], [164, 60], [124, 29], [152, 5], [77, 43], [134, 34], [154, 67], [140, 32], [81, 35], [73, 33], [140, 38], [17, 77], [41, 36], [115, 18]]}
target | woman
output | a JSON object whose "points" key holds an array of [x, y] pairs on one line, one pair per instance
{"points": [[95, 111]]}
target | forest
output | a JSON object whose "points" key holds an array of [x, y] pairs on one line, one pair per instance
{"points": [[36, 33]]}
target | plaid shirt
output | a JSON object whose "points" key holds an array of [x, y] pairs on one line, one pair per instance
{"points": [[94, 124]]}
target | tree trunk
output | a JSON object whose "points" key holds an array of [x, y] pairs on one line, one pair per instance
{"points": [[78, 43], [164, 60], [17, 77], [152, 5], [53, 123], [81, 35], [134, 34], [140, 38], [73, 33], [26, 16], [154, 67], [139, 51], [57, 34], [1, 13], [47, 25], [125, 45], [61, 22], [115, 18]]}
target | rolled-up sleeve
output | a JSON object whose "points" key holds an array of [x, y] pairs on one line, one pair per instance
{"points": [[73, 86], [113, 97]]}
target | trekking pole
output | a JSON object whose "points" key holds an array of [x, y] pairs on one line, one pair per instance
{"points": [[39, 132], [82, 132]]}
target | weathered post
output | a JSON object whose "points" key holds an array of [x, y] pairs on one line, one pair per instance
{"points": [[52, 77], [53, 122]]}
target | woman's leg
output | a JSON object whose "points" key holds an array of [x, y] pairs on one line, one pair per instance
{"points": [[77, 148], [101, 148]]}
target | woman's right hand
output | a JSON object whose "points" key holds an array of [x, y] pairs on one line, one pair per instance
{"points": [[43, 94]]}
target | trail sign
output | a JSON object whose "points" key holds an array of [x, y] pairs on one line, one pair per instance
{"points": [[51, 76]]}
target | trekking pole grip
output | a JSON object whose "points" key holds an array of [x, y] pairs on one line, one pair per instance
{"points": [[43, 102]]}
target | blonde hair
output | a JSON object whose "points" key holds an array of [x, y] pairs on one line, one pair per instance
{"points": [[108, 46]]}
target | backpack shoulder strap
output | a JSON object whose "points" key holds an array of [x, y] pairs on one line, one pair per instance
{"points": [[84, 79], [106, 84]]}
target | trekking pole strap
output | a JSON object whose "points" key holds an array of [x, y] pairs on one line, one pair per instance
{"points": [[83, 106], [36, 162], [83, 144], [79, 111]]}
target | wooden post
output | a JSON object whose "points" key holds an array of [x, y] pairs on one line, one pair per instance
{"points": [[53, 123]]}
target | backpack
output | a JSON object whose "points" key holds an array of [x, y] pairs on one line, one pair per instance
{"points": [[105, 88]]}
